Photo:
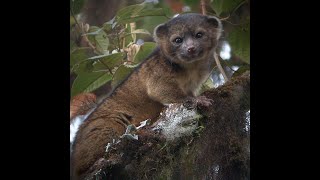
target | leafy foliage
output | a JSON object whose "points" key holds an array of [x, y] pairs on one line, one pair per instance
{"points": [[144, 51], [87, 82], [109, 60], [113, 50], [122, 72], [78, 55]]}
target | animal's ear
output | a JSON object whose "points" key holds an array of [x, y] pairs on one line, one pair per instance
{"points": [[160, 31], [215, 22], [217, 25]]}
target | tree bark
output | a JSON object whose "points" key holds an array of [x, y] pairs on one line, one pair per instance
{"points": [[219, 148]]}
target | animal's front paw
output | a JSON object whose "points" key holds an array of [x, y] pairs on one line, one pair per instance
{"points": [[203, 101], [200, 101]]}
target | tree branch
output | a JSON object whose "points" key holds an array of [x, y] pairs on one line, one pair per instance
{"points": [[218, 148]]}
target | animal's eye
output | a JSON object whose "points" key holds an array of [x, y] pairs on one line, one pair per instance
{"points": [[199, 35], [178, 40]]}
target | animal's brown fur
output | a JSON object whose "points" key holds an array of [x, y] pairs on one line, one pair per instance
{"points": [[164, 77], [81, 104]]}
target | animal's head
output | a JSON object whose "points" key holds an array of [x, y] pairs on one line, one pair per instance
{"points": [[189, 37]]}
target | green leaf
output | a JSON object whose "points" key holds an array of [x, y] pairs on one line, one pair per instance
{"points": [[239, 39], [111, 60], [122, 72], [72, 21], [79, 55], [140, 31], [220, 6], [99, 38], [241, 70], [102, 42], [76, 6], [88, 82], [93, 31], [84, 66], [135, 12], [144, 51]]}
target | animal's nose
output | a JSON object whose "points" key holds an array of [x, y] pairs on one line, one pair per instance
{"points": [[191, 50]]}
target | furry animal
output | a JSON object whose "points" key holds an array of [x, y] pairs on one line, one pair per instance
{"points": [[173, 73]]}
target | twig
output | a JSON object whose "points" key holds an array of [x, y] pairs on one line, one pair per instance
{"points": [[216, 58], [224, 18], [203, 7]]}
